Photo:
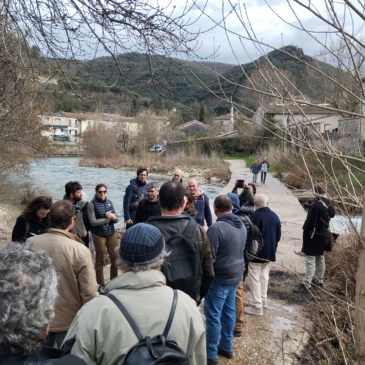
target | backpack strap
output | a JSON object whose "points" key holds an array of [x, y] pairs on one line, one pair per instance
{"points": [[133, 325], [189, 229], [171, 315], [126, 315]]}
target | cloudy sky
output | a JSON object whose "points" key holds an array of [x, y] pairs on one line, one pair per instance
{"points": [[274, 23]]}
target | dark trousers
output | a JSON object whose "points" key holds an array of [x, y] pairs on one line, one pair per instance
{"points": [[263, 176]]}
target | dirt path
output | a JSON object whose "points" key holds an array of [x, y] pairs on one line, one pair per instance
{"points": [[278, 336]]}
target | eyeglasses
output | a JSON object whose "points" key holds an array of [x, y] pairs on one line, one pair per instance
{"points": [[102, 191]]}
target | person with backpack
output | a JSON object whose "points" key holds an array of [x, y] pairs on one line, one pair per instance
{"points": [[73, 193], [227, 238], [102, 332], [189, 265], [269, 225]]}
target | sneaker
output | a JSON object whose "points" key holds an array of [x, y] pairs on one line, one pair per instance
{"points": [[301, 289], [225, 354], [212, 362], [237, 333], [254, 311]]}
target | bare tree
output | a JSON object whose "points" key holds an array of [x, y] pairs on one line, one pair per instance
{"points": [[338, 32], [21, 129]]}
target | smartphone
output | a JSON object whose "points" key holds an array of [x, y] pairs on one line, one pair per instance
{"points": [[240, 183]]}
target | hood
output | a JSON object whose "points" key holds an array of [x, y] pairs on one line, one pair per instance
{"points": [[232, 219], [235, 202]]}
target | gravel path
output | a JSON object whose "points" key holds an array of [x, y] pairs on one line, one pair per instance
{"points": [[278, 336]]}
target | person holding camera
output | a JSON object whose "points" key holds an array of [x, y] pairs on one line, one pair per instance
{"points": [[248, 193], [102, 218]]}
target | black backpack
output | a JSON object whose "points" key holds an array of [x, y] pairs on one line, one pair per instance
{"points": [[85, 217], [182, 267], [255, 244], [157, 350]]}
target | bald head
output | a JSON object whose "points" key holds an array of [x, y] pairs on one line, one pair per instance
{"points": [[261, 201], [178, 175], [193, 186]]}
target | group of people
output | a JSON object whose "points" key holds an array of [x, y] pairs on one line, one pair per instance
{"points": [[89, 327], [257, 167]]}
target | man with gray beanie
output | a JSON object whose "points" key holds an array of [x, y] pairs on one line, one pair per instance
{"points": [[142, 290]]}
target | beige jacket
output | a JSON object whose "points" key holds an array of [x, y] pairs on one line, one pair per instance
{"points": [[77, 284], [103, 336]]}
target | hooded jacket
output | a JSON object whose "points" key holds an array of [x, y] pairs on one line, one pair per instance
{"points": [[228, 238]]}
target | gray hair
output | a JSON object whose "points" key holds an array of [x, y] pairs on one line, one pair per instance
{"points": [[28, 290], [155, 265], [153, 185]]}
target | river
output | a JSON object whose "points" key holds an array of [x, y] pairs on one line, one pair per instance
{"points": [[49, 176]]}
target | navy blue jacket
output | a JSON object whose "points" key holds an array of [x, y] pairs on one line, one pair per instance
{"points": [[269, 224], [100, 224], [201, 204], [133, 191]]}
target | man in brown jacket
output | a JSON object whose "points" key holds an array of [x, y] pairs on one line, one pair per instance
{"points": [[77, 284], [173, 221]]}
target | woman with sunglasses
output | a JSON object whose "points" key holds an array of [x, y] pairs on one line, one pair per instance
{"points": [[102, 218]]}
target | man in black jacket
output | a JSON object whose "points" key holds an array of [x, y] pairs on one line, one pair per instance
{"points": [[150, 206], [316, 237]]}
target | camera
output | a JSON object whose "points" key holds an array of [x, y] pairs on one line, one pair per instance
{"points": [[240, 183]]}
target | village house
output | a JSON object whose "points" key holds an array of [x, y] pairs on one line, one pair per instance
{"points": [[192, 128]]}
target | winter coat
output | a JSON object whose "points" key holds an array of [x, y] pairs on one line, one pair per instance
{"points": [[75, 269], [317, 222], [101, 226], [133, 193], [255, 168], [270, 227], [201, 203], [106, 338], [24, 228], [264, 166], [147, 208], [227, 238], [171, 225], [246, 197]]}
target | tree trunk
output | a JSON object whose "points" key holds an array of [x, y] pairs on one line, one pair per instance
{"points": [[360, 295]]}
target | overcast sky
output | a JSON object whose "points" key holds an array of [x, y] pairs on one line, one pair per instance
{"points": [[263, 22]]}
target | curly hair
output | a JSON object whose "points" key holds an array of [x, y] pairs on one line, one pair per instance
{"points": [[35, 204], [28, 290]]}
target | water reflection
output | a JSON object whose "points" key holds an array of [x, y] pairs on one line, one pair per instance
{"points": [[49, 177]]}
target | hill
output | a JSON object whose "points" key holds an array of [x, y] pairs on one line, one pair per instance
{"points": [[163, 82]]}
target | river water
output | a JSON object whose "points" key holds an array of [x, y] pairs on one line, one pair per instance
{"points": [[49, 176]]}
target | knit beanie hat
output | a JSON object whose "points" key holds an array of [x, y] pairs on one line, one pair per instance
{"points": [[235, 202], [141, 244]]}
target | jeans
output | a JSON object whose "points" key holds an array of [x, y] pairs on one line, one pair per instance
{"points": [[220, 314], [111, 244], [254, 178], [258, 280], [315, 266]]}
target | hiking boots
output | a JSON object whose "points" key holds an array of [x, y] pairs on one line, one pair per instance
{"points": [[212, 362], [301, 289], [254, 311]]}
